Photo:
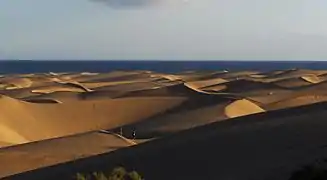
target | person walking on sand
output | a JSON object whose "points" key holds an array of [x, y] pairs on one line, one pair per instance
{"points": [[134, 133]]}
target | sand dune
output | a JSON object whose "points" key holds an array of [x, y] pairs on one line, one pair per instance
{"points": [[297, 101], [295, 73], [58, 88], [115, 76], [38, 108], [205, 83], [241, 108], [312, 79], [104, 84], [285, 75], [178, 89], [55, 120], [54, 151], [60, 96], [16, 83], [244, 86], [190, 75], [128, 86], [236, 75], [295, 82]]}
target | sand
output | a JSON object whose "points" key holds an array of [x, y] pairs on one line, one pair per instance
{"points": [[37, 109], [54, 151], [38, 121]]}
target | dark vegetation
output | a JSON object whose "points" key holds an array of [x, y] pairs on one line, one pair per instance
{"points": [[118, 173], [316, 171]]}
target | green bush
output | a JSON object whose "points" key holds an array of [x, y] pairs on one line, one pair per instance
{"points": [[99, 176], [134, 176], [118, 173], [80, 176]]}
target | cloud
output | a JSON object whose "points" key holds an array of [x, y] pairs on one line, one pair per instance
{"points": [[127, 3]]}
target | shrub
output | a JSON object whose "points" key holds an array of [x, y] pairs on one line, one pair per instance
{"points": [[134, 176], [99, 176], [118, 173], [80, 176]]}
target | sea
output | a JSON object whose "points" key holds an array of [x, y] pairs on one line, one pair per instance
{"points": [[45, 66]]}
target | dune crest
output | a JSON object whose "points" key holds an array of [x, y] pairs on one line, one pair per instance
{"points": [[205, 83], [17, 83], [241, 108], [312, 79], [62, 87]]}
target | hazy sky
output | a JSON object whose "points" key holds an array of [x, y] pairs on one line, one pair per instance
{"points": [[163, 29]]}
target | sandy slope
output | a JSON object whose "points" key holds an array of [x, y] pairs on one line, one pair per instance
{"points": [[50, 152], [241, 108], [32, 121]]}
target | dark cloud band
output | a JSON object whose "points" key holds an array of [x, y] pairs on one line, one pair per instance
{"points": [[127, 3]]}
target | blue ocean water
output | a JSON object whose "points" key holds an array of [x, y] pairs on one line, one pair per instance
{"points": [[29, 66]]}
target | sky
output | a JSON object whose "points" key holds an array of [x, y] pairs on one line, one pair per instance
{"points": [[163, 29]]}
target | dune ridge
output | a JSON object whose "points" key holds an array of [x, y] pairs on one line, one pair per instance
{"points": [[241, 108]]}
